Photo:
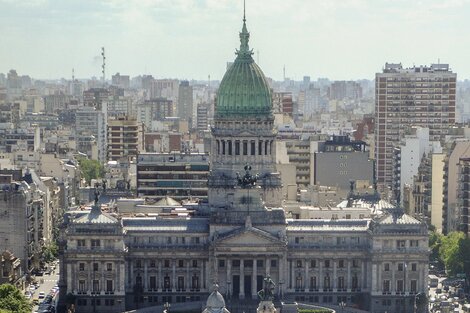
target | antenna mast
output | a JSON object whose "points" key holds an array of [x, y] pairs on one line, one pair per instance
{"points": [[103, 66]]}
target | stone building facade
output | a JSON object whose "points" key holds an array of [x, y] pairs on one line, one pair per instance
{"points": [[113, 262]]}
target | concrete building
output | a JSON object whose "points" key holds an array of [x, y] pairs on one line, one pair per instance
{"points": [[177, 175], [418, 96], [407, 157], [202, 116], [340, 90], [90, 127], [121, 81], [451, 214], [283, 103], [185, 102], [112, 262], [125, 138], [340, 161], [464, 194], [157, 109]]}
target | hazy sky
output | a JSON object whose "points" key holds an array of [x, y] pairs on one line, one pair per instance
{"points": [[344, 39]]}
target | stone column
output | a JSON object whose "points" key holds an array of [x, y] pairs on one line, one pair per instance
{"points": [[306, 276], [292, 274], [229, 276], [242, 279], [131, 274], [160, 280], [348, 282], [335, 278], [145, 278], [392, 283], [207, 275], [122, 276], [254, 280], [363, 274], [173, 279], [188, 277], [267, 267], [320, 275]]}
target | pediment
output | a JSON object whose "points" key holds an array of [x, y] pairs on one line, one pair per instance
{"points": [[249, 236]]}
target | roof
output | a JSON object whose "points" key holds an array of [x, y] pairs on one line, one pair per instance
{"points": [[164, 225], [244, 90], [296, 225], [397, 217], [95, 216], [167, 201]]}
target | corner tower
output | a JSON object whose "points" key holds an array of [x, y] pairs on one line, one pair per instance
{"points": [[243, 133]]}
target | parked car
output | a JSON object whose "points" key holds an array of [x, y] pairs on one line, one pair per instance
{"points": [[41, 295]]}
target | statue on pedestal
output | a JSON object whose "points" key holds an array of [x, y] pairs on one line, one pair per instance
{"points": [[266, 296]]}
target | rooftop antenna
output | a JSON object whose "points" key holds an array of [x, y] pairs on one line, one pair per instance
{"points": [[103, 66], [244, 19]]}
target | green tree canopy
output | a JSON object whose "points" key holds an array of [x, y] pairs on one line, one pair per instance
{"points": [[91, 169], [50, 252], [12, 300], [454, 251]]}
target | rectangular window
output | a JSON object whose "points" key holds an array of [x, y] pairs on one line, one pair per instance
{"points": [[221, 263], [109, 267], [400, 267], [245, 148], [95, 243], [96, 267], [153, 263], [81, 286], [401, 244], [355, 263], [414, 243], [413, 286], [387, 267], [237, 147], [273, 263], [166, 263], [236, 263], [386, 286], [400, 285], [96, 285], [313, 263], [253, 152], [109, 285], [194, 263], [81, 266], [299, 263], [327, 263], [414, 267], [259, 263], [341, 263], [138, 263], [81, 243], [180, 263], [153, 282]]}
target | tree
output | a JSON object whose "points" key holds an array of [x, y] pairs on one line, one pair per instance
{"points": [[50, 252], [454, 252], [91, 169], [11, 300], [435, 240]]}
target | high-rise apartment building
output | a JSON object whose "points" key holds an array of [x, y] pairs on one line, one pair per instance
{"points": [[185, 101], [418, 96], [464, 194], [125, 137]]}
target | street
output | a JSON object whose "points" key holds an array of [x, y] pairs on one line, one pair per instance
{"points": [[46, 283]]}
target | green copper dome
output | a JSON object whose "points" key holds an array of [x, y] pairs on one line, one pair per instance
{"points": [[244, 90]]}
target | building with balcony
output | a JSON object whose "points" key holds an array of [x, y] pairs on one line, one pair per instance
{"points": [[464, 194], [419, 96], [177, 175], [125, 138]]}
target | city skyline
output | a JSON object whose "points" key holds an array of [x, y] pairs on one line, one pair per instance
{"points": [[154, 37]]}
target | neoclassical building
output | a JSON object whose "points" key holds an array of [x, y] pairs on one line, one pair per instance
{"points": [[113, 262]]}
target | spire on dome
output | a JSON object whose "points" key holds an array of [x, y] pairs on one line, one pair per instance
{"points": [[244, 38]]}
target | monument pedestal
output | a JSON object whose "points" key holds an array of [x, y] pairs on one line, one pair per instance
{"points": [[266, 306]]}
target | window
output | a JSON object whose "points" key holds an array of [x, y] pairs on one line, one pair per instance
{"points": [[236, 263], [180, 263], [81, 266], [326, 282], [221, 263], [153, 282], [109, 302], [109, 267], [81, 302], [400, 267], [341, 263], [81, 243], [194, 263], [245, 147], [313, 263], [413, 286], [138, 263], [386, 285], [237, 147], [95, 243], [109, 285], [253, 148], [355, 282], [341, 282], [399, 285], [273, 263], [414, 267], [166, 263], [299, 263], [355, 263], [195, 282], [327, 263], [95, 267], [387, 267], [401, 244], [259, 263], [81, 286], [96, 285], [414, 243], [153, 263]]}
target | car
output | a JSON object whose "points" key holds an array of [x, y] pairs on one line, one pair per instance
{"points": [[28, 295], [41, 295], [438, 291]]}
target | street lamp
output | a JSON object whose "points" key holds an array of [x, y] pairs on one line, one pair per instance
{"points": [[166, 306], [342, 305]]}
